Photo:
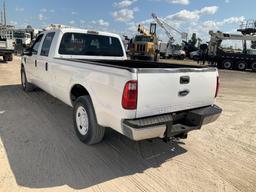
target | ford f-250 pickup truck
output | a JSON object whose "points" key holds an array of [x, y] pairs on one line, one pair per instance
{"points": [[89, 71]]}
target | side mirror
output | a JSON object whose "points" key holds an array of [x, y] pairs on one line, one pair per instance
{"points": [[27, 52]]}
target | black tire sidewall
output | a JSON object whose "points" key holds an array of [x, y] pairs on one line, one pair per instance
{"points": [[254, 65], [225, 61], [22, 71], [238, 63], [85, 101]]}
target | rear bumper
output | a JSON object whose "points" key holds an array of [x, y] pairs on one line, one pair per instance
{"points": [[5, 51], [170, 125]]}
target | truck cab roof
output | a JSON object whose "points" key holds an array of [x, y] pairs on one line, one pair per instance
{"points": [[78, 30], [74, 43]]}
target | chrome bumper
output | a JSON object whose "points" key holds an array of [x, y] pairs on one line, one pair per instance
{"points": [[170, 125]]}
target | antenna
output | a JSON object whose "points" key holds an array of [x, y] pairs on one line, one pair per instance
{"points": [[4, 5], [1, 17]]}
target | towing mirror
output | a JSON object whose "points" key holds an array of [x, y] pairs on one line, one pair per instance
{"points": [[27, 52]]}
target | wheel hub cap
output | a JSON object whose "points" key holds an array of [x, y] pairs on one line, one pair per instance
{"points": [[241, 66], [82, 120], [227, 65]]}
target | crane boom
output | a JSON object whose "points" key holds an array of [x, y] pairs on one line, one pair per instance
{"points": [[226, 36], [142, 30], [167, 27]]}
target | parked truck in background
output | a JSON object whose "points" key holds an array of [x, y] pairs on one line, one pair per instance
{"points": [[167, 51], [6, 43], [89, 71], [229, 58]]}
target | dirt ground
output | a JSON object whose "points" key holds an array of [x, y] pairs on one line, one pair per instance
{"points": [[40, 152]]}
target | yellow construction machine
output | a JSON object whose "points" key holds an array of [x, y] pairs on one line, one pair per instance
{"points": [[145, 45]]}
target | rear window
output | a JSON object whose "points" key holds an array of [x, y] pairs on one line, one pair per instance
{"points": [[90, 45]]}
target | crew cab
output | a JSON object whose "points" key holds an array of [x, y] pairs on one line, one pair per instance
{"points": [[89, 71]]}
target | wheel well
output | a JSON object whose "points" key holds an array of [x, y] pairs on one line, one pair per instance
{"points": [[77, 91]]}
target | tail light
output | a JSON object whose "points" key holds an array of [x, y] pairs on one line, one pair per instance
{"points": [[130, 95], [217, 87]]}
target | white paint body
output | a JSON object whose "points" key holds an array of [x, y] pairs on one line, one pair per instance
{"points": [[157, 92]]}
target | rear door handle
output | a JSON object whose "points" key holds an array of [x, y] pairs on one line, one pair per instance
{"points": [[46, 66]]}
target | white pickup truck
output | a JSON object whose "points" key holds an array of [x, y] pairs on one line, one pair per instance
{"points": [[89, 71]]}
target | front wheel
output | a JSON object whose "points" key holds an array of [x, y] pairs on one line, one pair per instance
{"points": [[227, 64], [26, 86], [85, 122]]}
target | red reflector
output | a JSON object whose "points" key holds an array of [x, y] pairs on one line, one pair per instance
{"points": [[217, 87], [130, 94]]}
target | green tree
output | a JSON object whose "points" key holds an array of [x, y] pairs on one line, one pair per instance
{"points": [[193, 40]]}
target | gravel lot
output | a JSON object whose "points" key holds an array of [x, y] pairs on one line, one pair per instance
{"points": [[40, 152]]}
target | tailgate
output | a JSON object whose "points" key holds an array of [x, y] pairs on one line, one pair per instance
{"points": [[170, 90], [2, 44]]}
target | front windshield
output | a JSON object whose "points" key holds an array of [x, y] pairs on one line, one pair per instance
{"points": [[143, 38], [19, 35]]}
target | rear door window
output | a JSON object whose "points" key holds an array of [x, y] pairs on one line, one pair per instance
{"points": [[47, 44], [90, 45]]}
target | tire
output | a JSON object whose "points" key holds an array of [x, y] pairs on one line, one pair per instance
{"points": [[241, 65], [26, 86], [85, 122], [195, 58], [253, 66], [10, 57], [182, 57], [5, 58], [227, 64], [156, 58]]}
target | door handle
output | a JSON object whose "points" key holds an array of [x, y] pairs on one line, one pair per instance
{"points": [[46, 66], [184, 80], [184, 93], [35, 63]]}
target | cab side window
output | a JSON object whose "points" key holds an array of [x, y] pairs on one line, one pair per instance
{"points": [[36, 44], [47, 44]]}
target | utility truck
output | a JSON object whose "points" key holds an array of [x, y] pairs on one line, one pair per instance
{"points": [[145, 46], [89, 71], [231, 59]]}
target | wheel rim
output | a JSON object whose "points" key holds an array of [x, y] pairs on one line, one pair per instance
{"points": [[227, 65], [241, 66], [254, 66], [23, 79], [82, 120]]}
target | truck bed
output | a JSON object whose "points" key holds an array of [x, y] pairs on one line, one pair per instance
{"points": [[184, 86], [132, 64]]}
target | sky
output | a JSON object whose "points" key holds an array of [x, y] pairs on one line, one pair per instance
{"points": [[123, 16]]}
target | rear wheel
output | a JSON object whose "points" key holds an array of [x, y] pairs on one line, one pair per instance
{"points": [[227, 64], [241, 65], [85, 122], [254, 66], [5, 58], [10, 57]]}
